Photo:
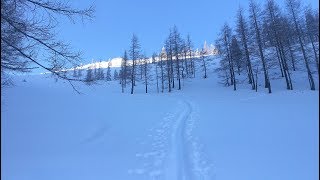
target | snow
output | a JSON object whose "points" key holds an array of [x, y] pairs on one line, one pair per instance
{"points": [[116, 62], [204, 131]]}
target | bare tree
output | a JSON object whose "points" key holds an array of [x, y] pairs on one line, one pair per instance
{"points": [[288, 37], [227, 42], [28, 40], [89, 78], [254, 15], [293, 10], [124, 71], [312, 28], [74, 72], [204, 62], [157, 76], [177, 50], [135, 55], [162, 56], [185, 69], [226, 65], [115, 75], [99, 72], [108, 74], [80, 71], [169, 54], [277, 37], [236, 53], [242, 31], [189, 47], [146, 72]]}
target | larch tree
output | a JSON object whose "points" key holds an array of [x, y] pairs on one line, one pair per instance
{"points": [[108, 74], [124, 71], [162, 56], [169, 60], [242, 32], [28, 39], [293, 8], [226, 69], [154, 55], [99, 72], [185, 69], [277, 37], [75, 72], [236, 53], [115, 75], [255, 13], [134, 55], [288, 36], [89, 77], [204, 62], [312, 29], [80, 71], [227, 35], [189, 47], [146, 72], [177, 50]]}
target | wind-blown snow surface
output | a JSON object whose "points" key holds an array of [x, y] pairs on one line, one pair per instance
{"points": [[204, 131]]}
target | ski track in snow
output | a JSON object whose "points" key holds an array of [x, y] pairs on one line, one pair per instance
{"points": [[176, 153]]}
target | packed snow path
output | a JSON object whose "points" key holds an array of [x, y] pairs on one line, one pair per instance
{"points": [[185, 160], [176, 154], [178, 164]]}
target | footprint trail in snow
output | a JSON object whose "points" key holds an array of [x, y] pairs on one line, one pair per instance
{"points": [[176, 153]]}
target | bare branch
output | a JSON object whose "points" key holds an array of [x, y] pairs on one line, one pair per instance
{"points": [[49, 69], [64, 9]]}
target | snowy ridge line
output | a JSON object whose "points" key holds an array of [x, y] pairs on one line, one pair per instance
{"points": [[116, 63]]}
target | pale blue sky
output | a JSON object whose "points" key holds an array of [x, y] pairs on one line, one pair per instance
{"points": [[108, 35]]}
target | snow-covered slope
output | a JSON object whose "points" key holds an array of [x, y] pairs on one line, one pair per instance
{"points": [[205, 131], [116, 62]]}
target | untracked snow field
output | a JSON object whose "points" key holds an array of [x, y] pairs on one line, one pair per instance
{"points": [[203, 132]]}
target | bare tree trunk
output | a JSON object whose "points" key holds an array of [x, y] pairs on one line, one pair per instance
{"points": [[311, 81], [282, 57], [162, 78], [233, 75], [171, 72], [257, 79], [132, 79], [310, 77], [146, 79], [186, 63], [242, 32], [285, 65], [157, 79], [315, 53], [122, 85], [178, 73], [204, 67], [168, 74], [279, 60], [259, 42], [292, 58]]}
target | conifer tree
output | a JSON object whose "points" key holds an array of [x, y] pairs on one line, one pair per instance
{"points": [[108, 75]]}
